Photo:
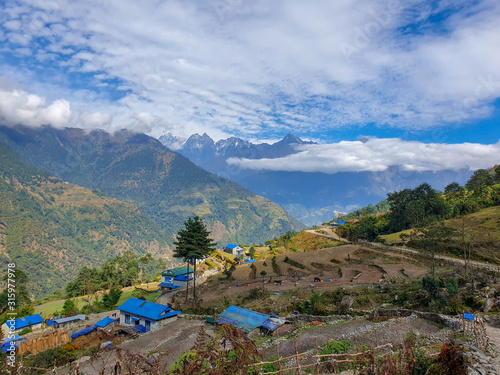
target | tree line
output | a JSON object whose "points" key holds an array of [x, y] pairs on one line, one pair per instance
{"points": [[423, 206]]}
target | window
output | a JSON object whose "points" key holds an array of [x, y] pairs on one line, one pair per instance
{"points": [[147, 324], [127, 319]]}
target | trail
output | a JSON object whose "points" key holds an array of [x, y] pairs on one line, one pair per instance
{"points": [[456, 261]]}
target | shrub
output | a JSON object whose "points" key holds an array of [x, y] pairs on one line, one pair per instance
{"points": [[25, 331], [451, 286], [431, 285], [294, 263], [335, 347]]}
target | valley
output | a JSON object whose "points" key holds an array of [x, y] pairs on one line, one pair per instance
{"points": [[375, 283]]}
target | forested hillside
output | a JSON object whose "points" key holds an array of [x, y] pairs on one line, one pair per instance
{"points": [[428, 219], [50, 229], [164, 185]]}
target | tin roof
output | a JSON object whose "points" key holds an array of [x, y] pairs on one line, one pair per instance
{"points": [[27, 321], [273, 323], [104, 322], [150, 310], [246, 320], [69, 319], [177, 271]]}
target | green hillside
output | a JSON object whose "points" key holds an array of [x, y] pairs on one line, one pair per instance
{"points": [[165, 185], [481, 231], [51, 229], [380, 208]]}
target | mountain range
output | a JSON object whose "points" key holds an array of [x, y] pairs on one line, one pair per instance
{"points": [[138, 172], [311, 197]]}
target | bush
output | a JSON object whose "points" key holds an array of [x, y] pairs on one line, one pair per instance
{"points": [[294, 263], [431, 285], [451, 286], [335, 347], [25, 331]]}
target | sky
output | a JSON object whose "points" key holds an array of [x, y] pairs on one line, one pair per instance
{"points": [[413, 83]]}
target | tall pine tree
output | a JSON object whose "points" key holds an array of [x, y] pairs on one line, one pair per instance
{"points": [[193, 242]]}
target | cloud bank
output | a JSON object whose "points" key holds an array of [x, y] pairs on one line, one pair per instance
{"points": [[20, 107], [232, 67], [377, 155]]}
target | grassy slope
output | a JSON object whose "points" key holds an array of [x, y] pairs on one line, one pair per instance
{"points": [[49, 308], [485, 226]]}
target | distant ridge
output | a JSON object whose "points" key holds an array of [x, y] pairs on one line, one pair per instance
{"points": [[311, 197]]}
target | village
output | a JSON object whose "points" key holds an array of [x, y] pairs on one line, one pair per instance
{"points": [[279, 329]]}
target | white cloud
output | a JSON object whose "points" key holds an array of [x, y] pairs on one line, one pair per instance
{"points": [[20, 107], [376, 155], [95, 120], [231, 66]]}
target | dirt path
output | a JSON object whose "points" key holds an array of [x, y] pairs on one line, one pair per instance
{"points": [[460, 262], [165, 298], [494, 335], [329, 233], [408, 251]]}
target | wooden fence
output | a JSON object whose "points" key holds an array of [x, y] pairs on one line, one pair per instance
{"points": [[476, 329], [319, 363], [44, 342]]}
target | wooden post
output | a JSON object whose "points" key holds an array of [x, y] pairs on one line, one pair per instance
{"points": [[317, 359], [278, 350], [297, 356]]}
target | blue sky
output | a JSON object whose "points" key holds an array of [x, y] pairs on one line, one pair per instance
{"points": [[330, 71]]}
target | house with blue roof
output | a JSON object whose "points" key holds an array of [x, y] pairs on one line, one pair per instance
{"points": [[233, 249], [176, 278], [137, 312], [14, 326], [337, 223], [246, 320]]}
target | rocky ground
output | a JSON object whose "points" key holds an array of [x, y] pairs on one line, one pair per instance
{"points": [[175, 338]]}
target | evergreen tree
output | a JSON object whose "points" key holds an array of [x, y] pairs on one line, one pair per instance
{"points": [[496, 173], [454, 187], [193, 242], [479, 180], [109, 300]]}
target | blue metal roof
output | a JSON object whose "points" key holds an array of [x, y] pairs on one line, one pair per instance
{"points": [[183, 277], [104, 322], [231, 246], [26, 321], [247, 320], [150, 310], [83, 332], [141, 328], [14, 338], [8, 346], [168, 285]]}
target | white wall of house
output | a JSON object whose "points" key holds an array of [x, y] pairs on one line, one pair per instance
{"points": [[180, 283], [153, 324], [6, 329]]}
